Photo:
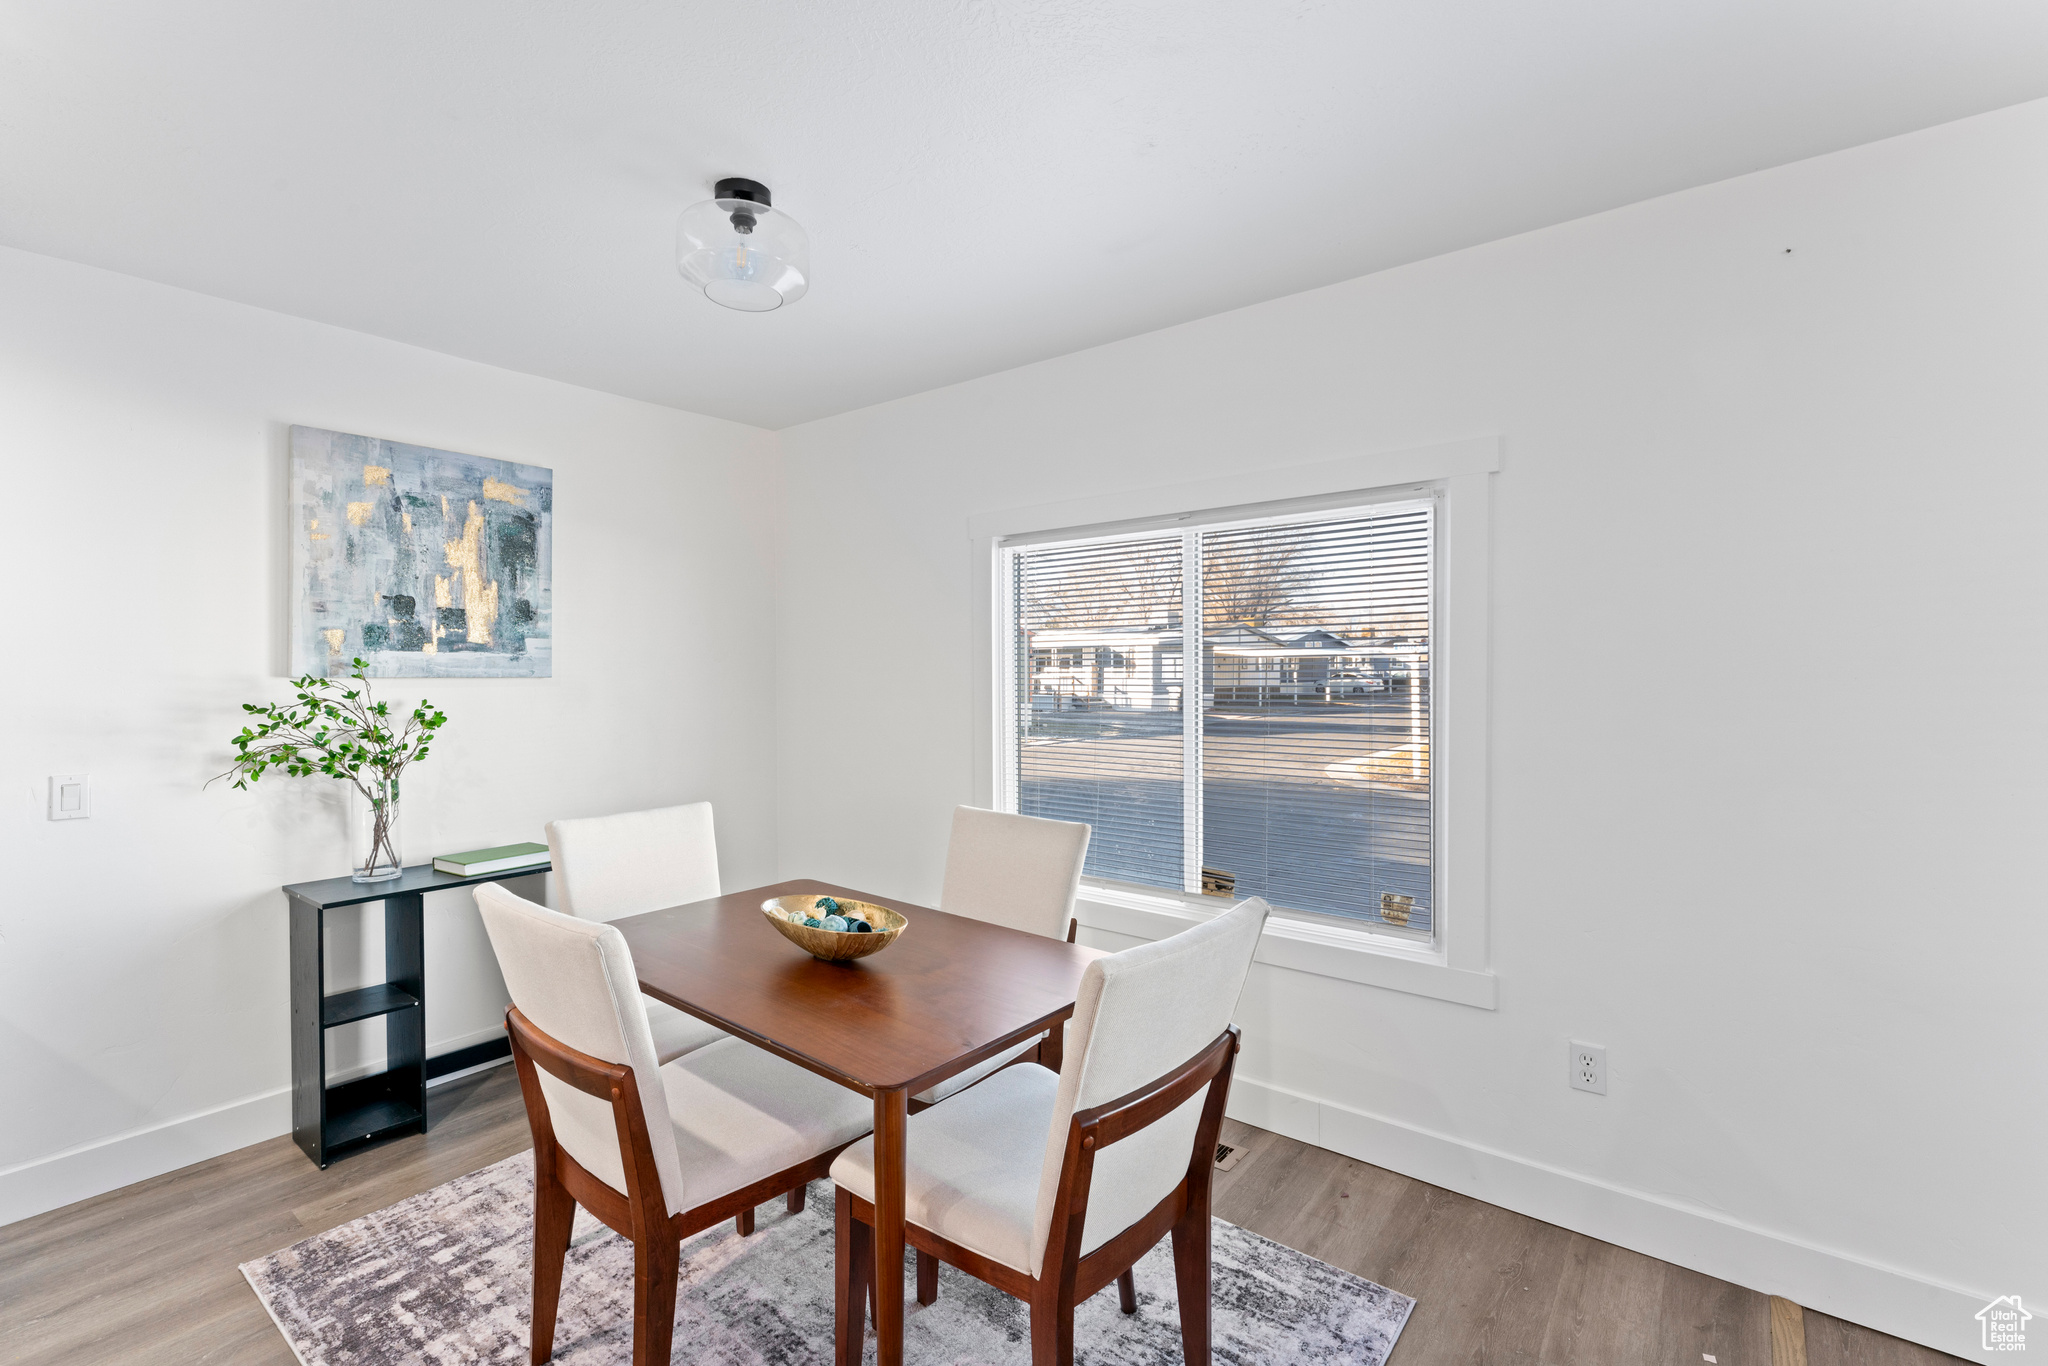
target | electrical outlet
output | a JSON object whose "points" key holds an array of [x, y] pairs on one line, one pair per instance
{"points": [[1589, 1067]]}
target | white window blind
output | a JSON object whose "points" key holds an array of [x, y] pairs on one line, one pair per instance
{"points": [[1098, 719], [1298, 769]]}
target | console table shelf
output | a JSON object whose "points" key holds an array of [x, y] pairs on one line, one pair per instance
{"points": [[329, 1121], [367, 1108], [364, 1003]]}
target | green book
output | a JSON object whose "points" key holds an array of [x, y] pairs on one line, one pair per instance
{"points": [[478, 862]]}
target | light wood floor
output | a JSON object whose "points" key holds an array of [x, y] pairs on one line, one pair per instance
{"points": [[147, 1274]]}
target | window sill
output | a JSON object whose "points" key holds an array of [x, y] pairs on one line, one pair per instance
{"points": [[1298, 945]]}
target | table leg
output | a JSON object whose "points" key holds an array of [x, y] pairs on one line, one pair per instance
{"points": [[405, 967], [892, 1113], [1052, 1051], [309, 1039]]}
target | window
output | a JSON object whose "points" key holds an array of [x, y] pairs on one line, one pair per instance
{"points": [[1292, 761]]}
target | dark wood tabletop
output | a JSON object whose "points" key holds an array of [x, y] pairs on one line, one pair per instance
{"points": [[949, 992]]}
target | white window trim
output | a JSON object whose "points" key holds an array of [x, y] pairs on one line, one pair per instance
{"points": [[1455, 966]]}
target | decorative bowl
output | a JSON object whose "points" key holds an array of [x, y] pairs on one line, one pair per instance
{"points": [[788, 913]]}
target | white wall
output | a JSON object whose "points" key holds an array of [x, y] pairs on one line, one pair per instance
{"points": [[143, 990], [1768, 662], [1766, 659]]}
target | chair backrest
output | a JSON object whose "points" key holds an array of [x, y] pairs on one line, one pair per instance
{"points": [[1140, 1015], [574, 981], [1019, 871], [607, 867]]}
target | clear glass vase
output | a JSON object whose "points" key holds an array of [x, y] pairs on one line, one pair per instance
{"points": [[374, 849]]}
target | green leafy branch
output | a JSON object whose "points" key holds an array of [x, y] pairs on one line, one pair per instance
{"points": [[333, 728]]}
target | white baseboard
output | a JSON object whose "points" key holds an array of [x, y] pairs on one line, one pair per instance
{"points": [[107, 1164], [1880, 1297], [120, 1160]]}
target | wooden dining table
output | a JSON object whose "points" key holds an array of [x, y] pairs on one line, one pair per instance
{"points": [[950, 992]]}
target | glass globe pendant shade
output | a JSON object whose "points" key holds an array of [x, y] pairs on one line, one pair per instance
{"points": [[741, 252]]}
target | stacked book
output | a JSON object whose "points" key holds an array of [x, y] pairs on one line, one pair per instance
{"points": [[483, 862]]}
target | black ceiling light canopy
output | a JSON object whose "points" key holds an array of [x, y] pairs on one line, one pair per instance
{"points": [[751, 191]]}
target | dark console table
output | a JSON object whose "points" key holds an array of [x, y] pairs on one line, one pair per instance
{"points": [[329, 1121]]}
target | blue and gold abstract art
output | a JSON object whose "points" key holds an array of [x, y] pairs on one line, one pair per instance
{"points": [[425, 563]]}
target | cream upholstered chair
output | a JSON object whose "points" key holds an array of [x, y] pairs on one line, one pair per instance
{"points": [[1049, 1187], [609, 867], [656, 1152], [1019, 871]]}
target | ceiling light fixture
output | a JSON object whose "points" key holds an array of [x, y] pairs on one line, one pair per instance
{"points": [[741, 252]]}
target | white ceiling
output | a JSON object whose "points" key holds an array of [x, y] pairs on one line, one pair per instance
{"points": [[986, 182]]}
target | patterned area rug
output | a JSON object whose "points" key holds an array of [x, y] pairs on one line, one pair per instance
{"points": [[443, 1278]]}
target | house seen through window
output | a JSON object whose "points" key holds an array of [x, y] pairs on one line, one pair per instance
{"points": [[1293, 763]]}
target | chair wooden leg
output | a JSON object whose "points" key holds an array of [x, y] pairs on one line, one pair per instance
{"points": [[1191, 1281], [1127, 1293], [1052, 1326], [796, 1199], [554, 1215], [656, 1263], [852, 1282], [927, 1278], [744, 1222]]}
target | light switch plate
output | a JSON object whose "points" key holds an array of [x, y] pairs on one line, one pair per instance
{"points": [[70, 796]]}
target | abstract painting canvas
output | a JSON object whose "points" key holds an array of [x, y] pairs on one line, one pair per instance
{"points": [[424, 563]]}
